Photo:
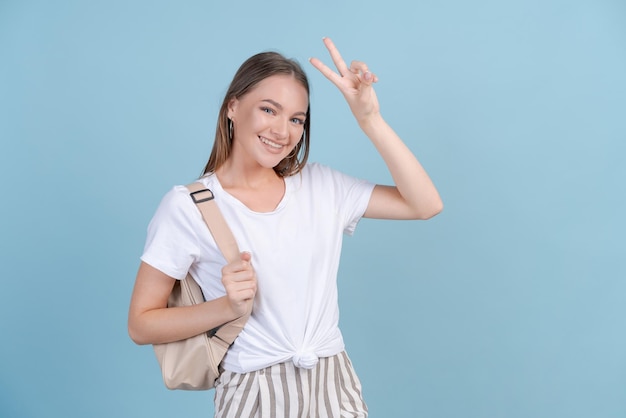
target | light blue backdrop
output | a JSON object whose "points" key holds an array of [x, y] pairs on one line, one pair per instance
{"points": [[511, 303]]}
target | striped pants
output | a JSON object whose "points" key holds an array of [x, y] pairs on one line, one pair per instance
{"points": [[330, 389]]}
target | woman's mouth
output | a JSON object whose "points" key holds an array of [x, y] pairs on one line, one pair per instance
{"points": [[272, 144]]}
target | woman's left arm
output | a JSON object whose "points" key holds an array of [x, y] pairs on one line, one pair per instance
{"points": [[414, 196]]}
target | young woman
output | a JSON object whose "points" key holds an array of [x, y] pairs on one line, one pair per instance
{"points": [[289, 218]]}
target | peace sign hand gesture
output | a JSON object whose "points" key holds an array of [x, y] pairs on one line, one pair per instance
{"points": [[354, 82]]}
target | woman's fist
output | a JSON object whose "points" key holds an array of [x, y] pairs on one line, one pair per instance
{"points": [[239, 280]]}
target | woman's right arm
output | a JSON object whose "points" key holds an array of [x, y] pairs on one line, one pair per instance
{"points": [[150, 321]]}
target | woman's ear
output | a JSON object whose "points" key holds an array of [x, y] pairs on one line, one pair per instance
{"points": [[232, 107]]}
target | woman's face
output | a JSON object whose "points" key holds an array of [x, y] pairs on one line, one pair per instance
{"points": [[269, 120]]}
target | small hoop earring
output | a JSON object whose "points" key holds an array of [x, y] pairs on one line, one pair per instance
{"points": [[288, 164], [293, 153]]}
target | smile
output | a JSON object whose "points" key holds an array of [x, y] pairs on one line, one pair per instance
{"points": [[270, 143]]}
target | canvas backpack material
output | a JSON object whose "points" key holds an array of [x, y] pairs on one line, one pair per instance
{"points": [[194, 363]]}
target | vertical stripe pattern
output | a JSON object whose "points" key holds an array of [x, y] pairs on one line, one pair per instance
{"points": [[330, 389]]}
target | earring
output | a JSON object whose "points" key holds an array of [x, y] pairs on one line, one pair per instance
{"points": [[286, 163], [293, 153], [230, 130]]}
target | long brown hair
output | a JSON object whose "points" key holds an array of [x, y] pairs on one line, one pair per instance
{"points": [[254, 70]]}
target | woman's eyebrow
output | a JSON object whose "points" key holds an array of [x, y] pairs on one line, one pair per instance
{"points": [[280, 107]]}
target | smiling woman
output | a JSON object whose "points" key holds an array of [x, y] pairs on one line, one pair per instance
{"points": [[257, 71], [287, 275], [268, 123]]}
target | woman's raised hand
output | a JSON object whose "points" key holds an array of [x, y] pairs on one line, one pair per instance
{"points": [[354, 82], [239, 280]]}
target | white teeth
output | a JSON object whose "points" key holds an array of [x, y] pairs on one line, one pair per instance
{"points": [[270, 143]]}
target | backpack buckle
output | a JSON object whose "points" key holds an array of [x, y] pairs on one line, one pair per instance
{"points": [[200, 199]]}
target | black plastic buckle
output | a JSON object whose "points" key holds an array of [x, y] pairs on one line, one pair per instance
{"points": [[213, 334], [197, 200], [213, 331]]}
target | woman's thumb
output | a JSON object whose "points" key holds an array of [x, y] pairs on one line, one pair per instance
{"points": [[246, 256]]}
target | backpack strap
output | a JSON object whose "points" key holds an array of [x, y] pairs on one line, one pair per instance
{"points": [[204, 200]]}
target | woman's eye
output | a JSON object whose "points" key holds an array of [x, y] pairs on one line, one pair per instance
{"points": [[268, 110], [298, 121]]}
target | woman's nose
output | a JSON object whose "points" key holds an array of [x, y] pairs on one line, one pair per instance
{"points": [[280, 127]]}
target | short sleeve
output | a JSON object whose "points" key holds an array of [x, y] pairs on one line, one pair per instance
{"points": [[357, 196], [172, 243]]}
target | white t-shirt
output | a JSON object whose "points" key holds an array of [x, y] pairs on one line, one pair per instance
{"points": [[295, 253]]}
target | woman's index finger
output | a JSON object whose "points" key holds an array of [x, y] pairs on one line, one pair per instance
{"points": [[327, 72], [336, 57]]}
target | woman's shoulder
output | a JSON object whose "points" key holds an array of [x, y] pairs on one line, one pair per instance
{"points": [[317, 169], [181, 192], [324, 172], [177, 199]]}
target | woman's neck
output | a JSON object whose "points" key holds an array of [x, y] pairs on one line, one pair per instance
{"points": [[233, 175], [260, 189]]}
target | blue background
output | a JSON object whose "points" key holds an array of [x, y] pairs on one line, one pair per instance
{"points": [[511, 303]]}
